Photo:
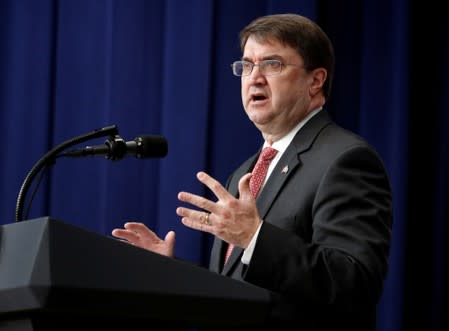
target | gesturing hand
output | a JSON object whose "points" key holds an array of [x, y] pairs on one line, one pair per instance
{"points": [[140, 235], [232, 220]]}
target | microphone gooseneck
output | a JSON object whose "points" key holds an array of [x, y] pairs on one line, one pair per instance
{"points": [[50, 156]]}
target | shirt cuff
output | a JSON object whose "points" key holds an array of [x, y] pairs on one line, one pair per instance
{"points": [[248, 252]]}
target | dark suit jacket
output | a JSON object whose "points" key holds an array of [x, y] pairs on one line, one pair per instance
{"points": [[323, 246]]}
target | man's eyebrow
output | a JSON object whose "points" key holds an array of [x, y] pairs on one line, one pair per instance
{"points": [[267, 57]]}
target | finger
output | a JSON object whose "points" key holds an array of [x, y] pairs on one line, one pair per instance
{"points": [[197, 201], [170, 238], [125, 241], [214, 185], [124, 234], [136, 227], [193, 214], [195, 217], [244, 190], [141, 230], [197, 225]]}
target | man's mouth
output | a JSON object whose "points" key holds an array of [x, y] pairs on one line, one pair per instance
{"points": [[258, 97]]}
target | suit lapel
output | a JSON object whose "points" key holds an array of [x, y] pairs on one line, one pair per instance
{"points": [[285, 168], [290, 161]]}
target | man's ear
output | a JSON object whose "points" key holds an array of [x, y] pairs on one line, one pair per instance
{"points": [[318, 77]]}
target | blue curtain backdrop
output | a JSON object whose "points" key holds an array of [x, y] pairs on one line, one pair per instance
{"points": [[163, 67]]}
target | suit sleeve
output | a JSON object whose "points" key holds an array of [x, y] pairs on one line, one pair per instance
{"points": [[345, 263]]}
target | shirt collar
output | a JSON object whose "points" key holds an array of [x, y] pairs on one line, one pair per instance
{"points": [[282, 144]]}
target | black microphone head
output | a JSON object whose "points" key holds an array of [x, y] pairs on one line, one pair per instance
{"points": [[150, 146]]}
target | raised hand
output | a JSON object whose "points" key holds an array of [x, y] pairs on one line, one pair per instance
{"points": [[138, 234], [232, 220]]}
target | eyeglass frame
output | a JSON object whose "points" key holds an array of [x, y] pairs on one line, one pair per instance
{"points": [[264, 62]]}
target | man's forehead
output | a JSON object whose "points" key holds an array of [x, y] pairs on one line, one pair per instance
{"points": [[267, 47]]}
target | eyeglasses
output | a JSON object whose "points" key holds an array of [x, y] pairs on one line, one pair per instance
{"points": [[266, 68]]}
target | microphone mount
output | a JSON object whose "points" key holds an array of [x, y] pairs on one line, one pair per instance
{"points": [[117, 148]]}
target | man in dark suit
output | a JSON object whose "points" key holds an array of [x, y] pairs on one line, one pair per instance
{"points": [[317, 233]]}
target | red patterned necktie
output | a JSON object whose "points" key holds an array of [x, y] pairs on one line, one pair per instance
{"points": [[258, 177]]}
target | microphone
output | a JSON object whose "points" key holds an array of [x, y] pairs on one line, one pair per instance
{"points": [[115, 148]]}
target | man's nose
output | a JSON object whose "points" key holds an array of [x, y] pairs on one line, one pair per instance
{"points": [[256, 75]]}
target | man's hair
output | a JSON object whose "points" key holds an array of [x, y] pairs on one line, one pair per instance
{"points": [[300, 33]]}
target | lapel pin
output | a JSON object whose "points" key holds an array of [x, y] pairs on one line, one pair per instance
{"points": [[285, 169]]}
